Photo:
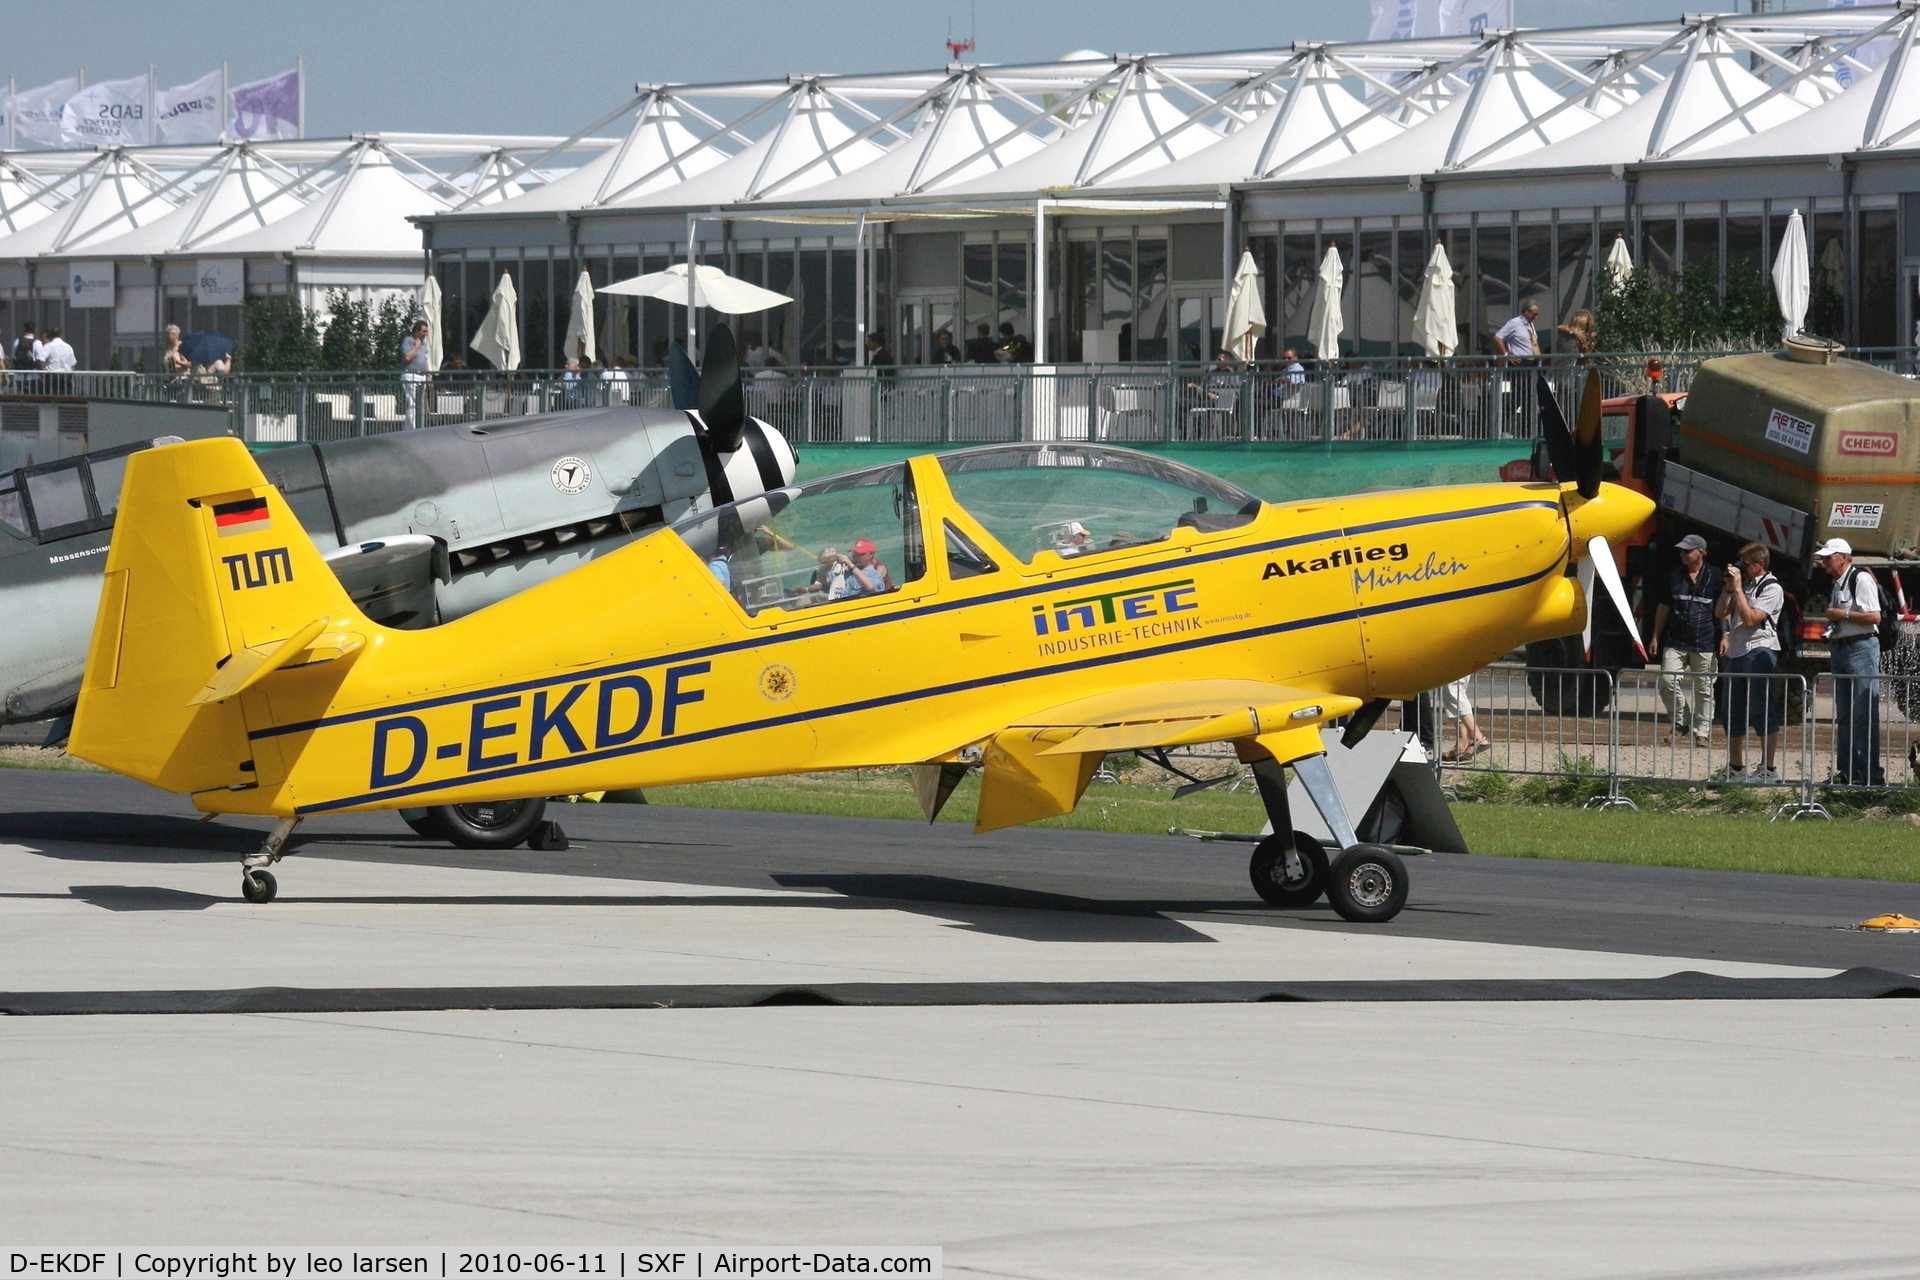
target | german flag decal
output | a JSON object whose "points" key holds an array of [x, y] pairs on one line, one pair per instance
{"points": [[249, 515]]}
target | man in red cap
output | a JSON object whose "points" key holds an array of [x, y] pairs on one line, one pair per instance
{"points": [[857, 573]]}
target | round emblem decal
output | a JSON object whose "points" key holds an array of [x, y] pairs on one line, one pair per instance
{"points": [[570, 475], [777, 682]]}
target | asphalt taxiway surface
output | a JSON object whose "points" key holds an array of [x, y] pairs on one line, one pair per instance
{"points": [[1051, 1053]]}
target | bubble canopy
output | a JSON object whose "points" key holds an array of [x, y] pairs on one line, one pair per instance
{"points": [[860, 534]]}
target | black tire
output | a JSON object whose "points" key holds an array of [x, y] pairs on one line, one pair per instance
{"points": [[430, 823], [1268, 870], [492, 824], [258, 886], [1368, 884], [1556, 676]]}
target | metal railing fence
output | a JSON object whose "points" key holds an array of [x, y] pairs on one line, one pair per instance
{"points": [[1828, 733], [1362, 398]]}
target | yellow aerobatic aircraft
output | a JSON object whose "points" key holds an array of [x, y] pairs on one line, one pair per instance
{"points": [[1021, 608]]}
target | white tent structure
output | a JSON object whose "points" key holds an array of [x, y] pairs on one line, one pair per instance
{"points": [[960, 137], [116, 194], [659, 152], [808, 145], [245, 194]]}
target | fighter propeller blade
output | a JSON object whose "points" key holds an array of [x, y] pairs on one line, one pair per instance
{"points": [[723, 401], [1553, 429], [1589, 450], [1600, 556], [683, 380]]}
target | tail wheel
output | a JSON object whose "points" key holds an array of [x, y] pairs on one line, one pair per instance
{"points": [[1368, 884], [1279, 886], [491, 824]]}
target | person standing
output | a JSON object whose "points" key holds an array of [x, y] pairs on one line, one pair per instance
{"points": [[944, 352], [1689, 638], [1750, 605], [413, 370], [1853, 638], [1517, 338], [26, 355], [878, 357], [57, 358], [1468, 740]]}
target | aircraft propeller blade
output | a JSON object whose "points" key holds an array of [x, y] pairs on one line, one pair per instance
{"points": [[723, 400], [1585, 572], [1600, 556], [1589, 450], [683, 380], [1553, 428]]}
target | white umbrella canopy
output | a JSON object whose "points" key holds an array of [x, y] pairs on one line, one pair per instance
{"points": [[1324, 325], [1792, 281], [712, 287], [499, 336], [579, 342], [1436, 325], [1246, 314], [1619, 261], [436, 335]]}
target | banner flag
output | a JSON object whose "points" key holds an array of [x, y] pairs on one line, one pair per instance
{"points": [[36, 112], [1870, 54], [268, 108], [1414, 19], [190, 112], [111, 113]]}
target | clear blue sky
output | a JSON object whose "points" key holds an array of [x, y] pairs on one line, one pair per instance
{"points": [[488, 66]]}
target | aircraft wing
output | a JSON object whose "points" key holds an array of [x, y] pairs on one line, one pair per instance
{"points": [[1038, 766], [1182, 712]]}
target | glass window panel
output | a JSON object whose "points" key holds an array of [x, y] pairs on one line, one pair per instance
{"points": [[1375, 293], [1080, 500], [1533, 272], [1081, 293], [841, 538], [1744, 247], [1414, 252], [1296, 290], [779, 329], [58, 497], [1575, 268], [108, 473], [1703, 243], [964, 559], [1657, 246], [1827, 310], [1151, 340], [1011, 280], [1116, 288], [1879, 280], [846, 296], [1493, 279], [13, 513], [810, 307], [977, 296], [537, 339]]}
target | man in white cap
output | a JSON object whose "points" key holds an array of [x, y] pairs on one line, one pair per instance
{"points": [[1853, 640], [1689, 639]]}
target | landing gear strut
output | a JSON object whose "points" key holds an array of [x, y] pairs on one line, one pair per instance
{"points": [[1365, 883], [256, 882]]}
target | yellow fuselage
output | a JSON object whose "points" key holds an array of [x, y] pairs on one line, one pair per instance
{"points": [[639, 669]]}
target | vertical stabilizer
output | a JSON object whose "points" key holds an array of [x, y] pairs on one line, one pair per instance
{"points": [[211, 586]]}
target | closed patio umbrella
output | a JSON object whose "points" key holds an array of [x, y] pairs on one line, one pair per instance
{"points": [[712, 287], [436, 334], [1246, 315], [1792, 281], [579, 342], [1324, 325], [498, 338], [1619, 261], [1436, 324]]}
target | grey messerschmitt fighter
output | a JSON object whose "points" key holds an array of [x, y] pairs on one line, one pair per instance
{"points": [[420, 526]]}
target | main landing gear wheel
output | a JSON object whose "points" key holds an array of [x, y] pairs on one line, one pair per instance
{"points": [[1280, 885], [258, 886], [1368, 884], [431, 823], [490, 824]]}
